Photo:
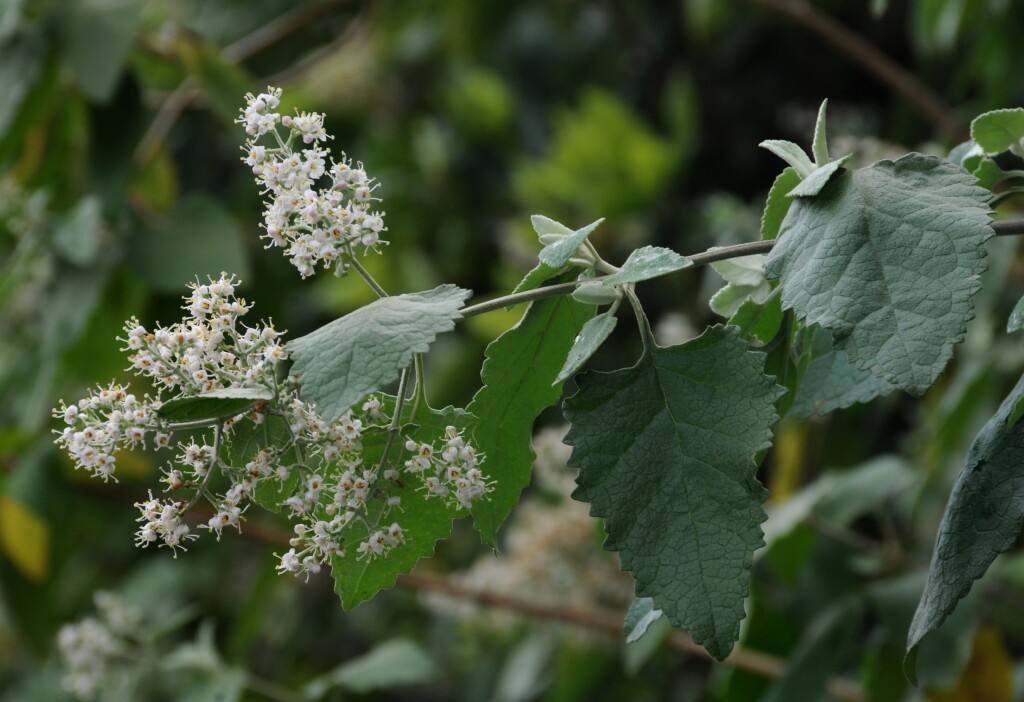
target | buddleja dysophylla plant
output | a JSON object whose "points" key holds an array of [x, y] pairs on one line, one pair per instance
{"points": [[861, 285]]}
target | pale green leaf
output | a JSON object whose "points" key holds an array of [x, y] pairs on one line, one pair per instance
{"points": [[999, 130], [640, 615], [983, 518], [812, 184], [888, 257], [558, 254], [666, 457], [790, 153], [391, 664], [645, 263], [758, 322], [517, 374], [777, 203], [966, 155], [347, 359], [727, 301], [831, 382], [545, 226], [742, 270], [423, 520], [819, 147], [587, 342], [99, 34]]}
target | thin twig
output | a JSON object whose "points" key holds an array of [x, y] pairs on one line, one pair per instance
{"points": [[899, 80]]}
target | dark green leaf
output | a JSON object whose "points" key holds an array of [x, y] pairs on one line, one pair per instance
{"points": [[347, 359], [666, 457], [246, 440], [647, 262], [831, 382], [983, 518], [758, 322], [99, 36], [518, 373], [589, 340], [423, 520], [888, 258], [216, 404]]}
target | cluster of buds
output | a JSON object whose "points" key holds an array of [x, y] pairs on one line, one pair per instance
{"points": [[207, 350], [91, 648], [453, 473], [109, 419], [315, 225]]}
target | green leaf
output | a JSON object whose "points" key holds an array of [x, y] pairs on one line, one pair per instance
{"points": [[99, 36], [518, 376], [888, 257], [79, 235], [639, 651], [640, 615], [24, 56], [746, 281], [246, 440], [666, 457], [545, 227], [989, 174], [812, 184], [347, 359], [999, 130], [790, 153], [758, 322], [216, 404], [831, 382], [983, 518], [777, 203], [589, 340], [967, 155], [647, 262], [391, 664], [819, 147], [540, 274], [558, 254], [424, 521]]}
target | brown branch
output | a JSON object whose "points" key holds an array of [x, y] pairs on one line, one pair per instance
{"points": [[898, 79]]}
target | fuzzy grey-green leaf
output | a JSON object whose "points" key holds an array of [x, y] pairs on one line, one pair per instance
{"points": [[776, 205], [983, 518], [587, 342], [999, 130], [647, 262], [888, 257], [812, 184], [831, 382], [558, 254], [666, 453], [347, 359]]}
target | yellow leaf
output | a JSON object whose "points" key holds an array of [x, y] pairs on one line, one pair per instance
{"points": [[24, 538], [988, 676], [787, 469]]}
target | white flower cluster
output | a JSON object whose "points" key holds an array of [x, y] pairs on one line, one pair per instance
{"points": [[91, 647], [162, 520], [315, 225], [109, 419], [207, 350], [453, 473]]}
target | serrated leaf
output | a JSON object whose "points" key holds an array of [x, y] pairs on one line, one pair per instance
{"points": [[999, 130], [790, 153], [888, 257], [243, 444], [424, 521], [587, 342], [666, 453], [777, 203], [832, 382], [819, 147], [812, 184], [647, 262], [344, 361], [983, 518], [558, 254], [216, 404], [517, 374], [640, 615]]}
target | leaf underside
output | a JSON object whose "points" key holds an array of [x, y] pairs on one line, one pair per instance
{"points": [[227, 402], [888, 257], [666, 457], [347, 359], [983, 518], [518, 375]]}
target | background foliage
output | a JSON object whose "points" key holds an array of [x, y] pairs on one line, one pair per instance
{"points": [[121, 182]]}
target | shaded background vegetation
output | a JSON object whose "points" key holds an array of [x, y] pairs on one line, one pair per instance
{"points": [[120, 181]]}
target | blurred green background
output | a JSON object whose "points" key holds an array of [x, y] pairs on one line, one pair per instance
{"points": [[120, 181]]}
